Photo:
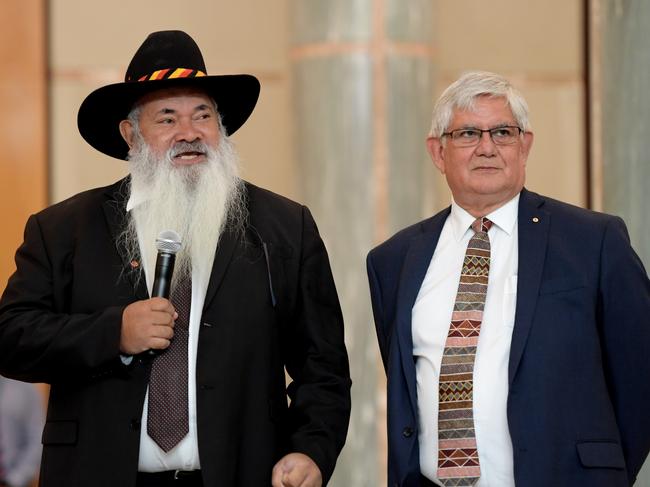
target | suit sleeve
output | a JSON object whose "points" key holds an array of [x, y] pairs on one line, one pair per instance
{"points": [[377, 309], [625, 322], [316, 359], [40, 340]]}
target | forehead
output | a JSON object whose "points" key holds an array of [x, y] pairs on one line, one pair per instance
{"points": [[175, 98], [487, 110]]}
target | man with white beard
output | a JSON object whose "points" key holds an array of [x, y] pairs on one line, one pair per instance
{"points": [[188, 391]]}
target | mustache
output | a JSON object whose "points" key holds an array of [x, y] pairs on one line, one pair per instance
{"points": [[183, 147]]}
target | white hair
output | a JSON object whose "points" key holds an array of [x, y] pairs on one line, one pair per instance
{"points": [[462, 94]]}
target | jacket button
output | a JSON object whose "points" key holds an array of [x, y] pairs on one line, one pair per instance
{"points": [[407, 432]]}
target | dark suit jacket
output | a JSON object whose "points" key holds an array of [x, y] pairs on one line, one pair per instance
{"points": [[579, 369], [60, 319]]}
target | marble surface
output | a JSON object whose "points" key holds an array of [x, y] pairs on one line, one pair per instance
{"points": [[626, 118], [359, 105], [331, 20], [334, 153]]}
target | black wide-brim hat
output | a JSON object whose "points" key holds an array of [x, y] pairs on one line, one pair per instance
{"points": [[166, 59]]}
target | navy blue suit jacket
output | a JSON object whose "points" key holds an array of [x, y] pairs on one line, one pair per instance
{"points": [[579, 369]]}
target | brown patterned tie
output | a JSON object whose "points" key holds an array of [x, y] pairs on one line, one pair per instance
{"points": [[458, 463], [167, 418]]}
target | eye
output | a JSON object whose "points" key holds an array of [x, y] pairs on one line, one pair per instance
{"points": [[466, 133], [502, 132], [166, 121]]}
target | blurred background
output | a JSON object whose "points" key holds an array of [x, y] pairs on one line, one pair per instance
{"points": [[347, 91]]}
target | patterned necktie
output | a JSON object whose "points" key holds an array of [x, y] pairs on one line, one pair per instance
{"points": [[458, 463], [167, 418]]}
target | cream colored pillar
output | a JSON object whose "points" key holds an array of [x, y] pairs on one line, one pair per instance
{"points": [[626, 117], [362, 82]]}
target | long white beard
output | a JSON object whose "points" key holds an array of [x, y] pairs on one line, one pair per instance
{"points": [[196, 201]]}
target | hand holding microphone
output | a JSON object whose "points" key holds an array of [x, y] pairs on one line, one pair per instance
{"points": [[148, 324]]}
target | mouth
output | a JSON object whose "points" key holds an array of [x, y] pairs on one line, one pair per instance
{"points": [[189, 157], [486, 169]]}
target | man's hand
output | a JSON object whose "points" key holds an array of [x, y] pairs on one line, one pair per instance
{"points": [[147, 325], [296, 470]]}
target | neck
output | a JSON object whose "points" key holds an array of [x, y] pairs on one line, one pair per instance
{"points": [[480, 207]]}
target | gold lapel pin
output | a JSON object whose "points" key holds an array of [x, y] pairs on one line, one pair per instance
{"points": [[135, 264], [535, 219]]}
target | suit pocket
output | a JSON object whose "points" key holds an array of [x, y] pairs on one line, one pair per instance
{"points": [[601, 454], [560, 285], [60, 433]]}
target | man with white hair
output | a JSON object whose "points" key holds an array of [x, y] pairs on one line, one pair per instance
{"points": [[187, 391], [513, 327]]}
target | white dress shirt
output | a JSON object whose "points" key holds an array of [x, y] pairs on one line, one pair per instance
{"points": [[185, 455], [431, 317]]}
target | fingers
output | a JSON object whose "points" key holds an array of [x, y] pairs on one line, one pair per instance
{"points": [[159, 344], [276, 476], [163, 305], [296, 470], [147, 324]]}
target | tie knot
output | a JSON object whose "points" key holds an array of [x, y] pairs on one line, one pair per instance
{"points": [[481, 225]]}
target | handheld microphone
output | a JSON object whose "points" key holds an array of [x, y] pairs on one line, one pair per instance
{"points": [[168, 244]]}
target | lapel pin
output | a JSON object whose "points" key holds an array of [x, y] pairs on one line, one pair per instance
{"points": [[535, 219], [135, 264]]}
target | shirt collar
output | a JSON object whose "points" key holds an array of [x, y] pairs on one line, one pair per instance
{"points": [[503, 217]]}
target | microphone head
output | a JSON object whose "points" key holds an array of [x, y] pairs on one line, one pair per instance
{"points": [[168, 241]]}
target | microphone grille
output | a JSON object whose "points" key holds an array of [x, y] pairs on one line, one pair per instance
{"points": [[168, 241]]}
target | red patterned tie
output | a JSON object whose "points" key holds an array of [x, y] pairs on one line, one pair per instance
{"points": [[458, 463], [167, 418]]}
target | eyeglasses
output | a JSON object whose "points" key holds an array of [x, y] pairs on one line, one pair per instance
{"points": [[470, 136]]}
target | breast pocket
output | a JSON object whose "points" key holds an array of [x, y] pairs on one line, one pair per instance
{"points": [[509, 301]]}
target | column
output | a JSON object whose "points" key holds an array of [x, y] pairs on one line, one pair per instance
{"points": [[626, 116], [363, 89]]}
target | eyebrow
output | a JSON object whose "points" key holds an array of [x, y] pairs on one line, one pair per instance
{"points": [[496, 126], [199, 108]]}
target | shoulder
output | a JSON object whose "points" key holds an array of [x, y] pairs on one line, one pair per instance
{"points": [[87, 201], [399, 243], [83, 211], [267, 202], [567, 216], [276, 217]]}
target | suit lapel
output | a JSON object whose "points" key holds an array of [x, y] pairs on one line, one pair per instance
{"points": [[114, 211], [222, 257], [534, 223], [416, 263]]}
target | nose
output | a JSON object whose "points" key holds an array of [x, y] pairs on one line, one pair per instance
{"points": [[486, 146], [187, 131]]}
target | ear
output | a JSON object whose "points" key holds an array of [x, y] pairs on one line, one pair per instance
{"points": [[436, 150], [126, 130], [526, 145]]}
